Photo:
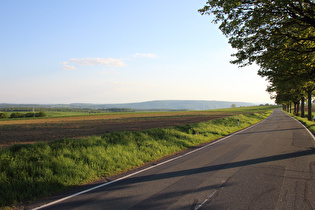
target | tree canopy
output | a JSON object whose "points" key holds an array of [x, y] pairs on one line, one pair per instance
{"points": [[254, 26], [279, 36]]}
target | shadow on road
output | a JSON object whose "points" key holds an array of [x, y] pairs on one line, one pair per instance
{"points": [[125, 183], [268, 131], [211, 168]]}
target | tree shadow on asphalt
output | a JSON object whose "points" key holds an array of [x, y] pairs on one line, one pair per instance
{"points": [[218, 167], [268, 131], [125, 183]]}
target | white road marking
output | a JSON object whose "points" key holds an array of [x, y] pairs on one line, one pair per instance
{"points": [[311, 134], [146, 169], [200, 205], [210, 196]]}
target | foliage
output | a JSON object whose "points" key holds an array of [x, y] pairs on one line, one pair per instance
{"points": [[254, 26], [277, 35], [40, 114], [17, 115], [3, 115], [30, 114], [32, 171]]}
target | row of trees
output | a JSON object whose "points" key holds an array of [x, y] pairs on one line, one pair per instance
{"points": [[279, 36], [86, 110], [26, 109], [21, 115]]}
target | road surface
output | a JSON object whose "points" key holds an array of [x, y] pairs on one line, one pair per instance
{"points": [[268, 166]]}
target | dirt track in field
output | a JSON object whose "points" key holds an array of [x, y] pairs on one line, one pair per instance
{"points": [[46, 130]]}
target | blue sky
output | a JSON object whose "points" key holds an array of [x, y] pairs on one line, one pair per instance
{"points": [[104, 51]]}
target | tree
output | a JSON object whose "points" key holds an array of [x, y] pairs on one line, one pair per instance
{"points": [[40, 114], [233, 106], [253, 26], [30, 114], [3, 115], [278, 35], [291, 70], [17, 115]]}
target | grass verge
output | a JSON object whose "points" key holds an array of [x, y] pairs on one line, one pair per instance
{"points": [[309, 124], [29, 172]]}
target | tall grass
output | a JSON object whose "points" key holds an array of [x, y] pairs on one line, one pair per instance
{"points": [[28, 172]]}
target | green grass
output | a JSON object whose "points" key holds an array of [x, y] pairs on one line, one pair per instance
{"points": [[242, 110], [309, 124], [29, 172], [53, 114]]}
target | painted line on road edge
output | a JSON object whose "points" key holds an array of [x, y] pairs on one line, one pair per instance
{"points": [[210, 196], [146, 169], [311, 134]]}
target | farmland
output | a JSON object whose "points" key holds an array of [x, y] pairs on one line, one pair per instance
{"points": [[68, 126]]}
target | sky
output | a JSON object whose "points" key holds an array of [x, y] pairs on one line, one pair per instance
{"points": [[106, 52]]}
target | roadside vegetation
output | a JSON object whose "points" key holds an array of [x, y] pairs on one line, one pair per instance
{"points": [[279, 37], [308, 124], [302, 115], [31, 171]]}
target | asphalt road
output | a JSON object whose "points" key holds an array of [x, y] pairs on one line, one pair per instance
{"points": [[268, 166]]}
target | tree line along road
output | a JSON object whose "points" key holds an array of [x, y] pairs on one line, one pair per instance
{"points": [[267, 166]]}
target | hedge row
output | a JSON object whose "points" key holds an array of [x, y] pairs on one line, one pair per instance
{"points": [[21, 115]]}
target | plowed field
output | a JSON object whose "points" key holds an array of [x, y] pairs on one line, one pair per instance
{"points": [[46, 130]]}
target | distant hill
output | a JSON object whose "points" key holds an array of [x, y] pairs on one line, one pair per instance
{"points": [[162, 104]]}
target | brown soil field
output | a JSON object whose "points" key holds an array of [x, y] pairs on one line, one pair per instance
{"points": [[49, 129]]}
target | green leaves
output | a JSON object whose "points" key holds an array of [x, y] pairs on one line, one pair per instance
{"points": [[254, 26], [279, 36]]}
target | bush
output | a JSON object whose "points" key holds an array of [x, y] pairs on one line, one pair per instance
{"points": [[3, 115], [30, 114], [17, 115], [40, 114]]}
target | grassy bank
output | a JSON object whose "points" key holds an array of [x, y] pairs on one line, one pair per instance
{"points": [[28, 172], [309, 124]]}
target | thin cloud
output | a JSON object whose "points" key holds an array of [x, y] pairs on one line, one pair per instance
{"points": [[98, 61], [68, 67], [148, 55], [109, 62]]}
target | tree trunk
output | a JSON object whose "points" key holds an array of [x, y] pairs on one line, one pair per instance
{"points": [[290, 108], [297, 108], [302, 106], [309, 105]]}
